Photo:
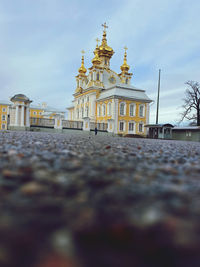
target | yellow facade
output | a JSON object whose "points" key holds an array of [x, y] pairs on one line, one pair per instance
{"points": [[108, 92], [3, 116], [36, 113]]}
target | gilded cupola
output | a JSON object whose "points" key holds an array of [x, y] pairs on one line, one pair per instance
{"points": [[125, 67], [104, 49], [96, 60], [82, 69]]}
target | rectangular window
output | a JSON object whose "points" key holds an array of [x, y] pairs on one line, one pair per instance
{"points": [[141, 111], [131, 126], [3, 126], [140, 127], [4, 109], [132, 109], [34, 113], [3, 117], [121, 126], [122, 109]]}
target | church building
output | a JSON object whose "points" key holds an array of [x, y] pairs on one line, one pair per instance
{"points": [[104, 96]]}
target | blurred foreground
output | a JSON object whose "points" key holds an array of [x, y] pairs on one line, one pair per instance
{"points": [[91, 201]]}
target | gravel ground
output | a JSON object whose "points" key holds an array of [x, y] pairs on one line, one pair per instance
{"points": [[98, 201]]}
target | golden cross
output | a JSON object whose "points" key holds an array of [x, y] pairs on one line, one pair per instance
{"points": [[125, 48], [83, 52], [97, 40], [105, 26]]}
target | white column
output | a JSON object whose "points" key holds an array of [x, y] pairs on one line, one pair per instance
{"points": [[16, 115], [115, 107], [27, 117], [22, 115]]}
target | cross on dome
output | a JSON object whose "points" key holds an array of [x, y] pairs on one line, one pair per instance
{"points": [[125, 48], [97, 40], [105, 26]]}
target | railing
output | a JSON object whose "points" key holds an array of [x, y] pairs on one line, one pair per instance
{"points": [[99, 126], [41, 122], [72, 124]]}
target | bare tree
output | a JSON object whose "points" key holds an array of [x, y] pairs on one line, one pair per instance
{"points": [[191, 106]]}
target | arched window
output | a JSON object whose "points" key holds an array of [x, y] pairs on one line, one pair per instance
{"points": [[132, 110], [106, 61], [77, 113], [97, 76], [141, 110], [122, 109], [126, 80]]}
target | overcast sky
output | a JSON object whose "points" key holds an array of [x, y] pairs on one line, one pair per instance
{"points": [[41, 43]]}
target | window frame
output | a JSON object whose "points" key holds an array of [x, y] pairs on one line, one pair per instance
{"points": [[99, 110], [3, 117], [124, 110], [109, 109], [132, 105], [123, 128], [131, 123], [141, 123], [143, 112]]}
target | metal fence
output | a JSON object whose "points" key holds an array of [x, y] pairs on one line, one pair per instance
{"points": [[99, 126], [72, 124], [41, 122]]}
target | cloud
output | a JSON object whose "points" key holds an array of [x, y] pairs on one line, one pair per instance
{"points": [[41, 43]]}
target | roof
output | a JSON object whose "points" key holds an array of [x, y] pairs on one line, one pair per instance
{"points": [[126, 92], [20, 97], [159, 125], [191, 128], [5, 102], [46, 108]]}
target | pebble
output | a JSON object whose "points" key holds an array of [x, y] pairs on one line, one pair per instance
{"points": [[71, 200]]}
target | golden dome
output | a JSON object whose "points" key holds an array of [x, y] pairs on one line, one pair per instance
{"points": [[82, 69], [104, 49], [96, 60], [125, 67]]}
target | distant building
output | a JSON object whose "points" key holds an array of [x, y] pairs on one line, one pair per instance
{"points": [[19, 112], [159, 131], [105, 97], [186, 133]]}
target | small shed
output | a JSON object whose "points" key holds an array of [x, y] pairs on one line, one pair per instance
{"points": [[161, 131], [186, 133]]}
